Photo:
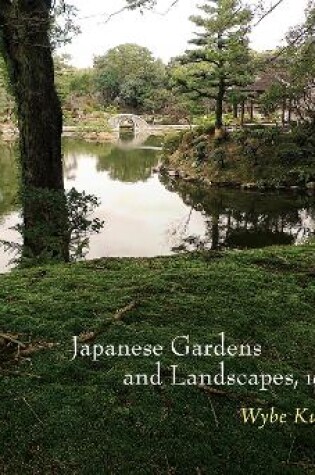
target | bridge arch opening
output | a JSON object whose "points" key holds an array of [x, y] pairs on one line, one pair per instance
{"points": [[127, 124], [128, 121], [126, 135]]}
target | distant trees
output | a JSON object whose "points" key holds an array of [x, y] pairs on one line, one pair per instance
{"points": [[6, 99], [76, 87], [129, 75], [294, 66]]}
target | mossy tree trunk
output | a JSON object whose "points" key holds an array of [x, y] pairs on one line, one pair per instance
{"points": [[27, 51]]}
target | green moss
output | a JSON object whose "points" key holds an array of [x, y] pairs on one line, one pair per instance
{"points": [[76, 417]]}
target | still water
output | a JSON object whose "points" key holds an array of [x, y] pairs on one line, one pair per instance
{"points": [[146, 215]]}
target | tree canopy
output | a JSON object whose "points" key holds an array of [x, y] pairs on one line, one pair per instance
{"points": [[128, 74], [220, 58]]}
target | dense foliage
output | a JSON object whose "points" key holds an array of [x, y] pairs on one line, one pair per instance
{"points": [[129, 75]]}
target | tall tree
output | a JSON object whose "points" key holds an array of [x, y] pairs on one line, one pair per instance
{"points": [[221, 57], [26, 47]]}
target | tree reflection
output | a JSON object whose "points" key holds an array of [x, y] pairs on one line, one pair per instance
{"points": [[237, 219], [8, 178], [127, 165]]}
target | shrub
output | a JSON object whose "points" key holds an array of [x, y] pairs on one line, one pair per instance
{"points": [[205, 130], [205, 121], [219, 156], [270, 135], [74, 225], [265, 135], [172, 143], [81, 207], [299, 177], [241, 136], [289, 153], [188, 138], [218, 141], [303, 135], [201, 151]]}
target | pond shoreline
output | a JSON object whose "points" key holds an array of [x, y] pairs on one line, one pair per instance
{"points": [[175, 211], [179, 174]]}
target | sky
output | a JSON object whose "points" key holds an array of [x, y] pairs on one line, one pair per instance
{"points": [[166, 35]]}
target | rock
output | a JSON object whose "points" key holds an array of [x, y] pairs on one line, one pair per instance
{"points": [[311, 186], [190, 179], [207, 182], [173, 173], [249, 186], [105, 136], [8, 133]]}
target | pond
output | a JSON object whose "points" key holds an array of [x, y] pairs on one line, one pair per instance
{"points": [[147, 215]]}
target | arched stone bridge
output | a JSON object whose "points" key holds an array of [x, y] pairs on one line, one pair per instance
{"points": [[123, 119]]}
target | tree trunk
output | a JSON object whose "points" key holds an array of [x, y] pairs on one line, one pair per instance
{"points": [[242, 112], [219, 110], [235, 109], [284, 109], [215, 231], [28, 55], [290, 111], [251, 110], [220, 95]]}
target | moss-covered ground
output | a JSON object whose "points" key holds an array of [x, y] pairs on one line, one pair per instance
{"points": [[59, 416]]}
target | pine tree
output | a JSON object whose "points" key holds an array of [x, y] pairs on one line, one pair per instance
{"points": [[220, 60]]}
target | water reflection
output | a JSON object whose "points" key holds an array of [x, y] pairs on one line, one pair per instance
{"points": [[129, 138], [237, 219], [126, 165], [146, 215], [8, 179]]}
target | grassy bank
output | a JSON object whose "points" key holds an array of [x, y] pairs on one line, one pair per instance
{"points": [[261, 158], [76, 417]]}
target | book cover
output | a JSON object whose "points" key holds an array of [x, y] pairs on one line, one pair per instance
{"points": [[157, 252]]}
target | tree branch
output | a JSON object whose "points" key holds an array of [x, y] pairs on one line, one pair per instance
{"points": [[189, 89], [268, 12]]}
